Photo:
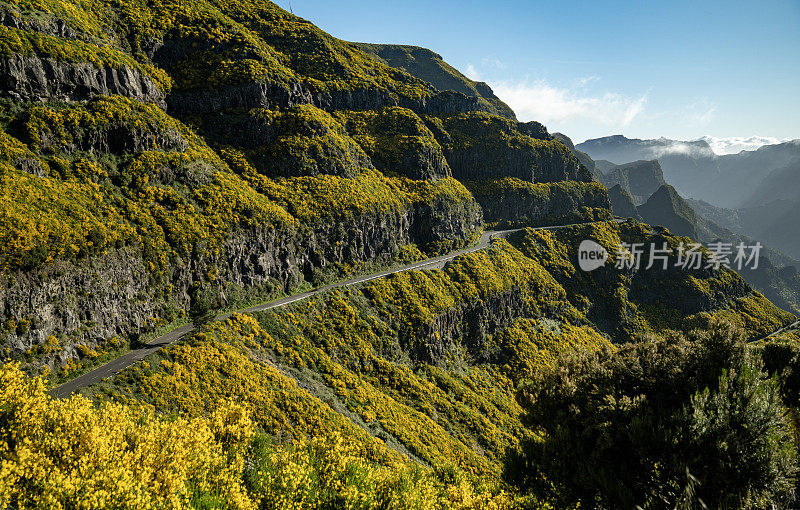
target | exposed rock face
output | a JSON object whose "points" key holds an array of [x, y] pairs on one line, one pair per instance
{"points": [[122, 138], [303, 140], [512, 204], [242, 96], [96, 301], [397, 142], [115, 294], [30, 78], [533, 164], [584, 158], [483, 147], [470, 324]]}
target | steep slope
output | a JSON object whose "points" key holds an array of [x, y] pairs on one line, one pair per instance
{"points": [[665, 207], [428, 361], [775, 275], [622, 203], [582, 156], [426, 65], [227, 149], [780, 184], [641, 179]]}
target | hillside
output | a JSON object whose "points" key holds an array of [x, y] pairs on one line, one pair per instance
{"points": [[240, 154], [776, 274], [385, 359], [163, 162], [426, 65], [665, 207], [622, 203]]}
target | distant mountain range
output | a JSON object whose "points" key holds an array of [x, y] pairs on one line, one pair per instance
{"points": [[769, 196], [641, 178], [730, 180]]}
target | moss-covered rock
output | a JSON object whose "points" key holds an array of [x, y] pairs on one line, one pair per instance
{"points": [[429, 66], [511, 202], [480, 146], [397, 141], [298, 141]]}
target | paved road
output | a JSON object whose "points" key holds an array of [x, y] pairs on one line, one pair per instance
{"points": [[118, 364], [115, 366], [791, 326]]}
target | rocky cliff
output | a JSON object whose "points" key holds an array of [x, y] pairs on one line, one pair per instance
{"points": [[641, 179], [151, 149]]}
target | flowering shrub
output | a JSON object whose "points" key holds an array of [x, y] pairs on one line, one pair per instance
{"points": [[63, 453], [56, 453]]}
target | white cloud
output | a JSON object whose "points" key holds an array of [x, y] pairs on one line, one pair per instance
{"points": [[473, 73], [495, 63], [677, 147], [582, 82], [736, 144], [541, 101]]}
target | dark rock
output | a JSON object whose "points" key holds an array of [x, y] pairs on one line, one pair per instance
{"points": [[31, 78]]}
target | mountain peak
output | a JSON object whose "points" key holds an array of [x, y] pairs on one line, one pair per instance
{"points": [[667, 208]]}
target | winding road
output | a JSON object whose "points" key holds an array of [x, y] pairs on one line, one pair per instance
{"points": [[118, 364]]}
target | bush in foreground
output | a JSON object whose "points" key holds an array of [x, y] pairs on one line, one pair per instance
{"points": [[72, 454], [683, 422]]}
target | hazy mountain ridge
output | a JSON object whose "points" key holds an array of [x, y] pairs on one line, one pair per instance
{"points": [[640, 178], [695, 170]]}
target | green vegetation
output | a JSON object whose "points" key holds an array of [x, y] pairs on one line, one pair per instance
{"points": [[628, 304], [512, 203], [127, 456], [429, 66], [297, 158], [397, 141], [407, 359], [676, 422], [477, 145]]}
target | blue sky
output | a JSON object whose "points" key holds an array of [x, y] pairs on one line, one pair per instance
{"points": [[589, 69]]}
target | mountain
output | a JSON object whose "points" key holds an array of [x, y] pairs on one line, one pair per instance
{"points": [[665, 207], [780, 184], [582, 156], [776, 274], [695, 170], [229, 221], [622, 203], [603, 165], [641, 178], [249, 157], [426, 65]]}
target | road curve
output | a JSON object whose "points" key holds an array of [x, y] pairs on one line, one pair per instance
{"points": [[118, 364]]}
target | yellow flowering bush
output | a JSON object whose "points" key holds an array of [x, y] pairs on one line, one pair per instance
{"points": [[71, 454]]}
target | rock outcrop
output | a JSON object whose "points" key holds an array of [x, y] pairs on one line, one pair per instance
{"points": [[32, 78]]}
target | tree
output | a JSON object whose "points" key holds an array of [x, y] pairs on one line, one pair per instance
{"points": [[202, 305], [682, 422]]}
